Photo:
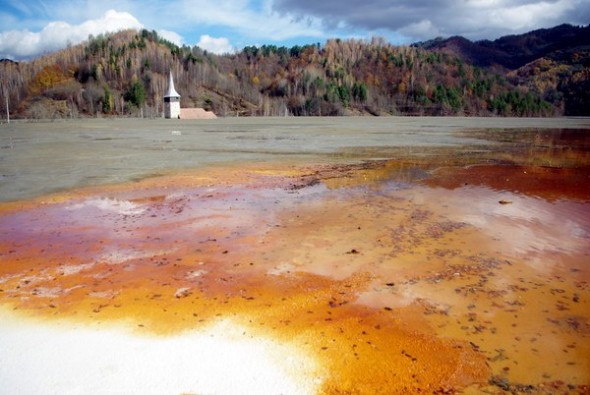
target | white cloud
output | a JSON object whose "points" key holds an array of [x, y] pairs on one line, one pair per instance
{"points": [[171, 36], [56, 35], [424, 19], [424, 28], [251, 23], [528, 16], [111, 21], [217, 45], [238, 21], [43, 26]]}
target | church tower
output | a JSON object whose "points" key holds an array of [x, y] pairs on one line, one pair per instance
{"points": [[171, 101]]}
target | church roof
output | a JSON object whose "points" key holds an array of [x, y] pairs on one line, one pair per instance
{"points": [[171, 91]]}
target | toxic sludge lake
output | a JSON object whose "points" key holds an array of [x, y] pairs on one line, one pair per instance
{"points": [[282, 255]]}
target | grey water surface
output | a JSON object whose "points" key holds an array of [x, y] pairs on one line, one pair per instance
{"points": [[37, 158]]}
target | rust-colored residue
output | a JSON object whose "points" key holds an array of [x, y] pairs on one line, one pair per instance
{"points": [[543, 181], [393, 288]]}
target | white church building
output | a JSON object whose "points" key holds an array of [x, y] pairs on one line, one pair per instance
{"points": [[172, 106], [171, 101]]}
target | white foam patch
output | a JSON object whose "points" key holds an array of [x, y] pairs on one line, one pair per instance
{"points": [[121, 207], [282, 268], [195, 274], [68, 270], [104, 294], [39, 358], [116, 257], [47, 292], [34, 279], [8, 277]]}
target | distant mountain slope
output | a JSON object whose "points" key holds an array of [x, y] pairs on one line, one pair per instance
{"points": [[126, 74], [515, 51]]}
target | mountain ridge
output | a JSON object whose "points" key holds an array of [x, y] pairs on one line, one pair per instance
{"points": [[126, 73], [514, 51]]}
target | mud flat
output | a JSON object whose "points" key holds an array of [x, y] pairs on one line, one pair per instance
{"points": [[435, 256]]}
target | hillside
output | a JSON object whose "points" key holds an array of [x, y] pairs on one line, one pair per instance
{"points": [[515, 51], [552, 63], [125, 74]]}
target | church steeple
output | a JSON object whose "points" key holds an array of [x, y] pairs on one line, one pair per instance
{"points": [[171, 100], [171, 91]]}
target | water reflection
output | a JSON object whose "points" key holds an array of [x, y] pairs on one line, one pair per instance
{"points": [[521, 224]]}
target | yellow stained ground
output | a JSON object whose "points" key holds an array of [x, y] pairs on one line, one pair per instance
{"points": [[462, 281]]}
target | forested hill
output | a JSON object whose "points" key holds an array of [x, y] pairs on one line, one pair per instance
{"points": [[125, 74]]}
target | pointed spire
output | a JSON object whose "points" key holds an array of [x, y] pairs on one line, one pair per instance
{"points": [[171, 91]]}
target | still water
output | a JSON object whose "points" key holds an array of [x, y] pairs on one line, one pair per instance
{"points": [[39, 158], [391, 255]]}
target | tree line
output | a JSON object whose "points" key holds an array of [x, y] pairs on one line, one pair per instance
{"points": [[126, 74]]}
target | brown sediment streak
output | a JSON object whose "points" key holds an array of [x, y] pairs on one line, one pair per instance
{"points": [[543, 181], [392, 287]]}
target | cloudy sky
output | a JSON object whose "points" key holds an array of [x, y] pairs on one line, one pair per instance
{"points": [[32, 27]]}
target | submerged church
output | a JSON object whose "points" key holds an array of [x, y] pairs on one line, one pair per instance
{"points": [[171, 101], [172, 108]]}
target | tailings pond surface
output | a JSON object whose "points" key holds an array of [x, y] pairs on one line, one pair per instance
{"points": [[340, 255]]}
